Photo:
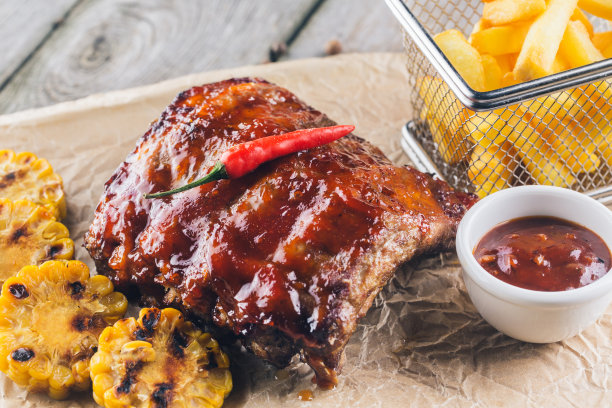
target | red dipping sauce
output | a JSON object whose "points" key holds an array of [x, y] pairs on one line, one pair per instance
{"points": [[543, 253]]}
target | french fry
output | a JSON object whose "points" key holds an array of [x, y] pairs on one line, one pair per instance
{"points": [[579, 16], [552, 138], [576, 46], [602, 138], [501, 12], [481, 129], [591, 110], [577, 108], [491, 169], [577, 152], [463, 56], [508, 79], [493, 73], [493, 158], [553, 109], [541, 161], [506, 62], [444, 115], [538, 157], [501, 40], [479, 26], [595, 101], [603, 41], [559, 64], [542, 42], [599, 8], [575, 149]]}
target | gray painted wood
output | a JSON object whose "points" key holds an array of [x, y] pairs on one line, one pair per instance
{"points": [[357, 25], [24, 25], [113, 44]]}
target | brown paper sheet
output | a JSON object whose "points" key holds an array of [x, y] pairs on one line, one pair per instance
{"points": [[421, 345]]}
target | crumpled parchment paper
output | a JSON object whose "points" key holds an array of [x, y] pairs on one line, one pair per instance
{"points": [[422, 344]]}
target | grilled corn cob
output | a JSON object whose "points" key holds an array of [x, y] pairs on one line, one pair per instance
{"points": [[50, 319], [25, 176], [29, 235], [159, 360]]}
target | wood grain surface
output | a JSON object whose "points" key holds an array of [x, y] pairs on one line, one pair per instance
{"points": [[66, 49], [353, 26], [24, 26]]}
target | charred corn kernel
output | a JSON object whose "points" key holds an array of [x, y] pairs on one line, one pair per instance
{"points": [[114, 302], [29, 235], [159, 360], [80, 373], [24, 176], [99, 362], [53, 316], [100, 285]]}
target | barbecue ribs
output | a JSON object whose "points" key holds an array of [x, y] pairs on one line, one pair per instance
{"points": [[287, 257]]}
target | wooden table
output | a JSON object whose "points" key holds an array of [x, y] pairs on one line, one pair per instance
{"points": [[57, 50]]}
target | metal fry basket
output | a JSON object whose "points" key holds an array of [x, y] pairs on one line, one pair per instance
{"points": [[555, 130]]}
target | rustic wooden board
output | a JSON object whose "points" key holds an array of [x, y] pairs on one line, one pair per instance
{"points": [[24, 26], [357, 25], [113, 44]]}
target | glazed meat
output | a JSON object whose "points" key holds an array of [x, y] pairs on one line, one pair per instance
{"points": [[287, 257]]}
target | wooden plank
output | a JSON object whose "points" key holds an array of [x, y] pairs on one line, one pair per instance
{"points": [[113, 44], [24, 25], [356, 25]]}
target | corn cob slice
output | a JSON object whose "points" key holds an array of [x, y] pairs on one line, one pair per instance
{"points": [[50, 319], [159, 360], [24, 176], [29, 235]]}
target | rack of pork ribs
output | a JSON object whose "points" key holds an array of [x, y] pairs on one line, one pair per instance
{"points": [[288, 257]]}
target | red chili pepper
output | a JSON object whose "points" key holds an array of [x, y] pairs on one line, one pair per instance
{"points": [[244, 158]]}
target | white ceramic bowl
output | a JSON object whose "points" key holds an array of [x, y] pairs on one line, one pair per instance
{"points": [[529, 315]]}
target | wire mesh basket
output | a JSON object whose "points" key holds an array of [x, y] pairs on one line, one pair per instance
{"points": [[555, 130]]}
